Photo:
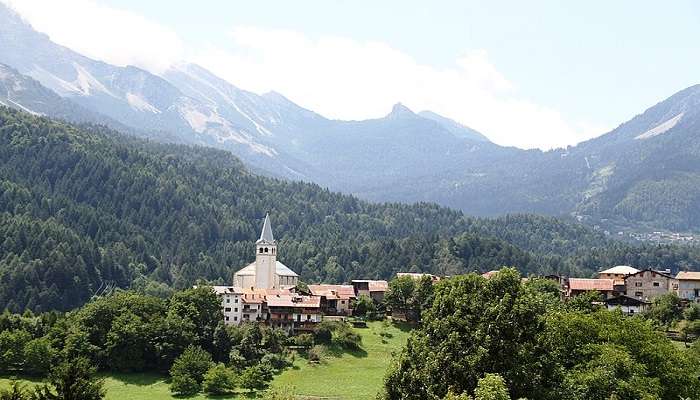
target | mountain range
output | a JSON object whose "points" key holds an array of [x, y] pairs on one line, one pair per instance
{"points": [[645, 173]]}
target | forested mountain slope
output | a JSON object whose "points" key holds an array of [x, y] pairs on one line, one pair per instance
{"points": [[83, 208], [644, 174]]}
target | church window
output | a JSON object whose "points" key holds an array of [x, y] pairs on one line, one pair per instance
{"points": [[261, 250], [266, 249]]}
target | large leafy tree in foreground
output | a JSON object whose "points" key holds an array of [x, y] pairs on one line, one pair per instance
{"points": [[541, 349]]}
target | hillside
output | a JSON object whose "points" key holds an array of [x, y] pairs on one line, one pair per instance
{"points": [[85, 209], [643, 175]]}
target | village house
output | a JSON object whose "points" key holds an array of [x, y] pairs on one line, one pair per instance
{"points": [[372, 288], [648, 284], [230, 302], [629, 305], [618, 275], [335, 299], [689, 286], [577, 286], [293, 312], [619, 272]]}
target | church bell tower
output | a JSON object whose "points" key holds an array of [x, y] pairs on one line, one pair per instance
{"points": [[266, 257]]}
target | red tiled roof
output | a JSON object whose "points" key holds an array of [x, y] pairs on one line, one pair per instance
{"points": [[333, 292], [688, 276], [603, 285], [490, 274], [282, 300]]}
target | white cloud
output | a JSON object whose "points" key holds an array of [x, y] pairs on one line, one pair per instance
{"points": [[337, 77], [347, 79], [104, 33]]}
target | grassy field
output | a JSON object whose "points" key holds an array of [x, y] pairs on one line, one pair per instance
{"points": [[348, 376], [340, 375]]}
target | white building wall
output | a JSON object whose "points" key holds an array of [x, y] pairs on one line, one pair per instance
{"points": [[231, 304], [689, 290], [626, 309]]}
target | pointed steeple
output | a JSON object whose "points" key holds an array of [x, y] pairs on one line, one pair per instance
{"points": [[266, 234]]}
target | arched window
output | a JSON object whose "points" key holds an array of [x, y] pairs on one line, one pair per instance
{"points": [[266, 249], [261, 250]]}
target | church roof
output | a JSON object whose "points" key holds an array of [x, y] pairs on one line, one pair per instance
{"points": [[280, 269], [620, 270], [266, 234]]}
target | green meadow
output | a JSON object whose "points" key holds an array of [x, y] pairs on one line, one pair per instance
{"points": [[339, 375]]}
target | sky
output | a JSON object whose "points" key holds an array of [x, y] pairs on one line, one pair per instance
{"points": [[531, 74]]}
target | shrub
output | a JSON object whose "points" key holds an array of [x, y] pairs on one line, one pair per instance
{"points": [[344, 337], [304, 340], [219, 380], [254, 378], [491, 387], [324, 332], [16, 391], [38, 356], [364, 305], [285, 393], [184, 385], [274, 361], [72, 380], [316, 353], [189, 367], [692, 313]]}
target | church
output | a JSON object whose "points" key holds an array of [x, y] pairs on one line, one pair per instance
{"points": [[265, 272]]}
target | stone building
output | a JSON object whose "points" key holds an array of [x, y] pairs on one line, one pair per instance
{"points": [[648, 284], [689, 286], [265, 272]]}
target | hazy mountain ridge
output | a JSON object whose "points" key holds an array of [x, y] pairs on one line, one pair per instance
{"points": [[639, 173]]}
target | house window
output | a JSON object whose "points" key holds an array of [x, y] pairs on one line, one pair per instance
{"points": [[235, 300], [226, 318], [638, 284], [657, 284], [638, 294], [235, 318], [228, 300], [308, 317], [227, 309], [342, 301], [261, 250], [235, 309]]}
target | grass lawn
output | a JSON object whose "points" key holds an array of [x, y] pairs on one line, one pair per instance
{"points": [[348, 376]]}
